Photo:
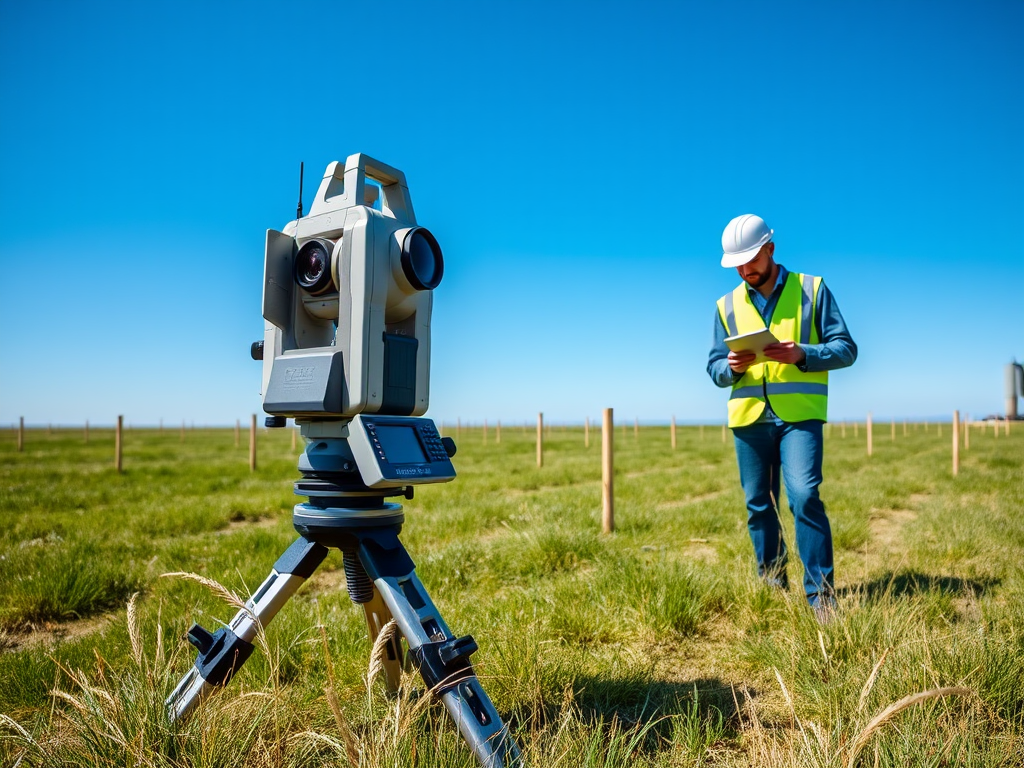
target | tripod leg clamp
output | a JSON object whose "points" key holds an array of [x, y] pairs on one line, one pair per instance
{"points": [[220, 654], [445, 663]]}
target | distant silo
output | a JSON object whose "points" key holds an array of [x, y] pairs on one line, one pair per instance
{"points": [[1014, 388]]}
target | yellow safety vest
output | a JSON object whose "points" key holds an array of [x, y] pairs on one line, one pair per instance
{"points": [[794, 395]]}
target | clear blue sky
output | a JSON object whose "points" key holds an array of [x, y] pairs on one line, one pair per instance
{"points": [[577, 162]]}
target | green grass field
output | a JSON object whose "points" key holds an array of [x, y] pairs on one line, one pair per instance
{"points": [[654, 646]]}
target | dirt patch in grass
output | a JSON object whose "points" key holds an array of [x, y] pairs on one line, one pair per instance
{"points": [[688, 501], [518, 492], [326, 581], [696, 549], [247, 523], [686, 550], [49, 634], [887, 525], [658, 471]]}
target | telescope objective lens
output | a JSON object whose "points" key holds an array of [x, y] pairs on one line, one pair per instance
{"points": [[313, 267], [422, 262]]}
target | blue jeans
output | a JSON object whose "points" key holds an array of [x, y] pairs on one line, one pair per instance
{"points": [[762, 449]]}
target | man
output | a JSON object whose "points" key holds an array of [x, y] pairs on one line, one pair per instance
{"points": [[777, 408]]}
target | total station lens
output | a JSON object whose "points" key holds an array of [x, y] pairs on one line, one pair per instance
{"points": [[421, 260], [313, 267]]}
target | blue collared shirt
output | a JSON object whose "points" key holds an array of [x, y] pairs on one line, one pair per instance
{"points": [[836, 349]]}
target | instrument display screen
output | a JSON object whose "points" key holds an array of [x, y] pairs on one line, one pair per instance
{"points": [[401, 444]]}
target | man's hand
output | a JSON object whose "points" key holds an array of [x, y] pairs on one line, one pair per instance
{"points": [[785, 352], [740, 361]]}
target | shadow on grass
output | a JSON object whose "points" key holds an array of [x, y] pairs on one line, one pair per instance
{"points": [[701, 711], [605, 696], [909, 583]]}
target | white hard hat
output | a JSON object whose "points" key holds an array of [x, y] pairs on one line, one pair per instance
{"points": [[743, 238]]}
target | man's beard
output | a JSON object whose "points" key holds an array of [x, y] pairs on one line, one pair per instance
{"points": [[761, 279]]}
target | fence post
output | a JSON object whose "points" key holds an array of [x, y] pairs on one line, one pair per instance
{"points": [[607, 473], [673, 431], [485, 431], [540, 439], [723, 433], [870, 447], [956, 443], [893, 435], [702, 433], [586, 432], [118, 464], [86, 431], [238, 432], [497, 433], [252, 444], [843, 430], [21, 434], [636, 428]]}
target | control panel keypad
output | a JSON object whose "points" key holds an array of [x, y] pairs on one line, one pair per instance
{"points": [[433, 443]]}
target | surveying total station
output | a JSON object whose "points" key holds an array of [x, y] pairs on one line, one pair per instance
{"points": [[347, 298]]}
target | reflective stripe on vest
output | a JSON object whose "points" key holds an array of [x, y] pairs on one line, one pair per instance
{"points": [[787, 388], [730, 316], [806, 309], [794, 395]]}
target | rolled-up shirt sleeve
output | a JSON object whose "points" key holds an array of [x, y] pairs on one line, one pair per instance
{"points": [[718, 363], [837, 348]]}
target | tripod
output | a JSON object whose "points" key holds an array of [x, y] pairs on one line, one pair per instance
{"points": [[345, 514]]}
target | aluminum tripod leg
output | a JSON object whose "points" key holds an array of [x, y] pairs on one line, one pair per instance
{"points": [[224, 651], [442, 658]]}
